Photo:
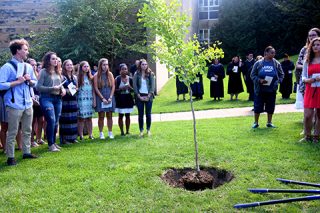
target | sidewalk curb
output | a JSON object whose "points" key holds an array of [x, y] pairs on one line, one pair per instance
{"points": [[205, 114]]}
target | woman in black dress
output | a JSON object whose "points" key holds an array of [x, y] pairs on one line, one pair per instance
{"points": [[234, 70], [216, 75], [124, 98]]}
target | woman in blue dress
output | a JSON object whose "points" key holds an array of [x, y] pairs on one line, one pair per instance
{"points": [[105, 101], [86, 98]]}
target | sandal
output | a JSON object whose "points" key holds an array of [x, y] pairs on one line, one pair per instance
{"points": [[41, 142], [34, 144]]}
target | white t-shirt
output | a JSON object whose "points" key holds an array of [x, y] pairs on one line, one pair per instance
{"points": [[143, 89]]}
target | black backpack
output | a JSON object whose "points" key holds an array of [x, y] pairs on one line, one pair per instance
{"points": [[3, 92]]}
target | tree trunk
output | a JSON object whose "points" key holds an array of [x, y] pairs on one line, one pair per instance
{"points": [[194, 131]]}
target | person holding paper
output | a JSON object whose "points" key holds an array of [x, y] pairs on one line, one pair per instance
{"points": [[266, 75], [311, 77], [16, 79], [86, 99], [105, 101], [144, 86], [216, 75], [51, 90], [234, 71], [124, 98], [312, 33], [68, 128]]}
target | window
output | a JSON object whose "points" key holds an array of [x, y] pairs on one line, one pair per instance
{"points": [[208, 9], [204, 35]]}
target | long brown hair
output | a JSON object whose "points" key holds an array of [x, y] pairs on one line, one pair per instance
{"points": [[310, 54], [46, 63], [81, 74], [148, 70], [101, 83]]}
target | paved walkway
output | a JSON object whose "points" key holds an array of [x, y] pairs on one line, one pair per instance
{"points": [[204, 114]]}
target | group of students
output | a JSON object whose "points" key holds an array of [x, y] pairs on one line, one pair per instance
{"points": [[67, 95], [262, 78], [236, 69]]}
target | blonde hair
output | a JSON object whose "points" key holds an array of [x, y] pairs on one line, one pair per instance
{"points": [[101, 83], [64, 71]]}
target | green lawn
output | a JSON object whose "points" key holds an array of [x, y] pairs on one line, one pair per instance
{"points": [[166, 99], [123, 175]]}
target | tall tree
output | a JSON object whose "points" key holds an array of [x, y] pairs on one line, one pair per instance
{"points": [[254, 24], [184, 57], [89, 30]]}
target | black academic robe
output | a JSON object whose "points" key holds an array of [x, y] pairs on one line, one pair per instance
{"points": [[235, 82], [286, 84], [181, 87], [216, 84], [197, 88]]}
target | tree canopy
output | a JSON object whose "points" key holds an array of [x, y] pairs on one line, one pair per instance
{"points": [[89, 30], [252, 25]]}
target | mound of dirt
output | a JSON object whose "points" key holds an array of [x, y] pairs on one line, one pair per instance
{"points": [[189, 179]]}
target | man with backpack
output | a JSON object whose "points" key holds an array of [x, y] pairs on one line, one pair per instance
{"points": [[16, 78]]}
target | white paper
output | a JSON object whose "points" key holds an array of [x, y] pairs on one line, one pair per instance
{"points": [[60, 85], [235, 69], [20, 69], [72, 88], [103, 105], [213, 78], [317, 83], [269, 80], [36, 99]]}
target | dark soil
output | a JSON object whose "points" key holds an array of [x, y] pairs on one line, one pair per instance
{"points": [[187, 178]]}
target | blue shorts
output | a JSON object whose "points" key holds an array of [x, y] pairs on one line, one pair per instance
{"points": [[265, 102]]}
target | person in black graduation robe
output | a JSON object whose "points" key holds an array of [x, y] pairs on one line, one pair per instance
{"points": [[182, 89], [197, 88], [248, 64], [286, 85], [216, 75], [234, 70]]}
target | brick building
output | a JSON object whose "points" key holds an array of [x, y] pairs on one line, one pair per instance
{"points": [[21, 17]]}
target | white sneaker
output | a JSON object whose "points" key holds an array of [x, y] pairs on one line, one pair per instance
{"points": [[111, 135], [53, 148], [149, 133], [102, 135], [141, 134]]}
